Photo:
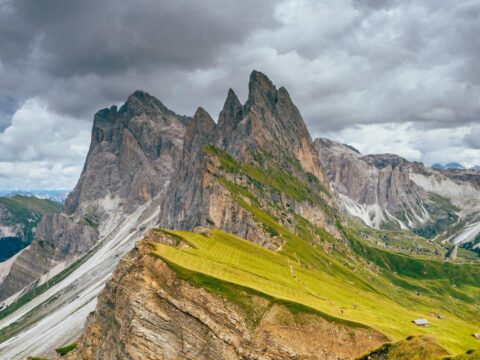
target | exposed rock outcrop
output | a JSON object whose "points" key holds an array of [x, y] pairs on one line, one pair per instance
{"points": [[134, 153], [57, 239], [267, 125], [387, 191]]}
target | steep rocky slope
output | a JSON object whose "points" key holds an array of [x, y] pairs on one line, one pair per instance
{"points": [[267, 133], [386, 191], [132, 157]]}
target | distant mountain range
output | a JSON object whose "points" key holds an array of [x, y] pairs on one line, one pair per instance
{"points": [[453, 166], [53, 194]]}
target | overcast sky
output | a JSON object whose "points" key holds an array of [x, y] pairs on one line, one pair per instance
{"points": [[382, 75]]}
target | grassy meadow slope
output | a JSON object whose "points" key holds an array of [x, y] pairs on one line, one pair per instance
{"points": [[22, 206], [324, 285], [345, 279], [22, 213]]}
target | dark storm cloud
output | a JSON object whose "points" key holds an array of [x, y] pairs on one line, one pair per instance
{"points": [[357, 69], [67, 45], [8, 106], [380, 62]]}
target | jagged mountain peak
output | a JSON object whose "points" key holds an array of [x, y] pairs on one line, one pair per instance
{"points": [[201, 122], [231, 113], [269, 118], [261, 90], [141, 102], [232, 103], [381, 161], [201, 113], [232, 99]]}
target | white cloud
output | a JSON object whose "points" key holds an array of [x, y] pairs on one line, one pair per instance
{"points": [[41, 149], [472, 139], [406, 140]]}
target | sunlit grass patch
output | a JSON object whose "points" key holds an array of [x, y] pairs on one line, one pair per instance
{"points": [[219, 258]]}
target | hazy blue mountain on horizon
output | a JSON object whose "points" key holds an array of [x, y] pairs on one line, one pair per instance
{"points": [[57, 195], [448, 166]]}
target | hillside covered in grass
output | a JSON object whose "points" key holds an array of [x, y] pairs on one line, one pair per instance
{"points": [[19, 215], [346, 277], [312, 281]]}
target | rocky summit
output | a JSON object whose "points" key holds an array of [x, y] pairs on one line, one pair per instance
{"points": [[243, 238]]}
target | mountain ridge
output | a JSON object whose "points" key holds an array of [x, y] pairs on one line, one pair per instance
{"points": [[388, 191], [256, 174]]}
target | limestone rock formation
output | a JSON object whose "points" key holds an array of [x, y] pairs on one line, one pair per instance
{"points": [[133, 155], [57, 239], [387, 191], [267, 124]]}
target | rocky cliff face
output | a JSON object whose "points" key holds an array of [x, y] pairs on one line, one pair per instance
{"points": [[376, 188], [387, 191], [267, 131], [134, 153], [148, 312]]}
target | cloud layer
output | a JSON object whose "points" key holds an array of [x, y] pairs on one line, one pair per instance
{"points": [[352, 66]]}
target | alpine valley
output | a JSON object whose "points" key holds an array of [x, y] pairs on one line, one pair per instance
{"points": [[243, 238]]}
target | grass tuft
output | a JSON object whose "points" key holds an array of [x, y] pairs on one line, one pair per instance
{"points": [[66, 349]]}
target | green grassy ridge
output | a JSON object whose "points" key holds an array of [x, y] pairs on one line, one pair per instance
{"points": [[298, 248], [376, 281], [408, 267], [412, 348], [460, 274], [449, 287], [26, 211], [241, 250], [242, 296], [416, 348], [397, 240], [221, 258], [22, 207]]}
